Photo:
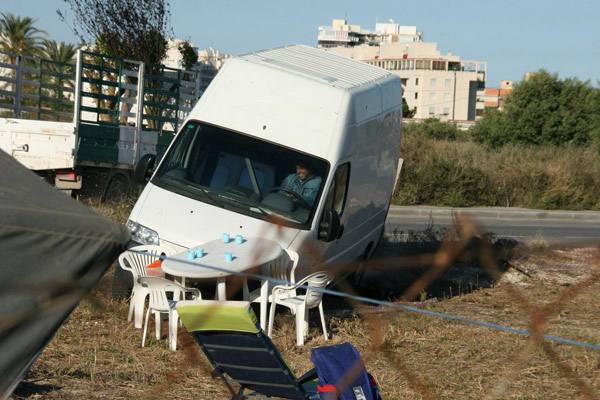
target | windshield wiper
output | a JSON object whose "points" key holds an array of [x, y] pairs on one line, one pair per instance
{"points": [[206, 194]]}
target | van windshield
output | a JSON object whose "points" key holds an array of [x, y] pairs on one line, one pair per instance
{"points": [[244, 174]]}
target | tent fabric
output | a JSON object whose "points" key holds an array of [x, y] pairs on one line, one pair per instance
{"points": [[52, 251]]}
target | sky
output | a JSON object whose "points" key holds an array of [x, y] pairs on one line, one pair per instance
{"points": [[513, 36]]}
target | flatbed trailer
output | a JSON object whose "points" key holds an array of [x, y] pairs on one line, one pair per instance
{"points": [[100, 115]]}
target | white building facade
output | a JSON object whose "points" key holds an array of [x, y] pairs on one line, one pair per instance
{"points": [[434, 85]]}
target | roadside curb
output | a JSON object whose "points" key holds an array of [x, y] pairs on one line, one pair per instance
{"points": [[496, 213]]}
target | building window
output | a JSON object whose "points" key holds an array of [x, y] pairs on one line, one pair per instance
{"points": [[423, 64], [431, 110], [454, 66], [416, 95], [403, 82], [447, 83], [439, 65], [416, 81], [433, 82], [446, 96], [432, 96], [446, 111]]}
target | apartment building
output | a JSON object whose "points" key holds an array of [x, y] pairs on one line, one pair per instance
{"points": [[434, 84], [209, 61], [340, 33], [494, 97]]}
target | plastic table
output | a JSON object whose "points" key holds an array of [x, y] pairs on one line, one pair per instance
{"points": [[253, 253]]}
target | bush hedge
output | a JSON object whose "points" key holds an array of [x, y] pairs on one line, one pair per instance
{"points": [[464, 173]]}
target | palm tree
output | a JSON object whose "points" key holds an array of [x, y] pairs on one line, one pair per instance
{"points": [[18, 35], [58, 52], [57, 68]]}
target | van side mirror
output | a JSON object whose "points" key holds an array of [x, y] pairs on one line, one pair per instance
{"points": [[144, 168], [330, 227]]}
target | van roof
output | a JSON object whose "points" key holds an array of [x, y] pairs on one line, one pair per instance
{"points": [[335, 70]]}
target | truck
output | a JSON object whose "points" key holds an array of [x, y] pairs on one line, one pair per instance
{"points": [[293, 144], [95, 117]]}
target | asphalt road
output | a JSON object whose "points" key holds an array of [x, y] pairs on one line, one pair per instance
{"points": [[520, 227]]}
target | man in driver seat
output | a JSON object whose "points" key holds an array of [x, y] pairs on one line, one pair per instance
{"points": [[303, 183]]}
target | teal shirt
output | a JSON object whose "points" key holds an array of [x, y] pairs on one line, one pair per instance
{"points": [[307, 189]]}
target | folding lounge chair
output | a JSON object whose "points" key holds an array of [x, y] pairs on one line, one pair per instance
{"points": [[235, 345]]}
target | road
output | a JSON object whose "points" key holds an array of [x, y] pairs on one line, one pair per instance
{"points": [[553, 228]]}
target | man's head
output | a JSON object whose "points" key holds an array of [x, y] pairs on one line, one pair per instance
{"points": [[302, 170]]}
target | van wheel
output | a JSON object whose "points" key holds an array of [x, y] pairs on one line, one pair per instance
{"points": [[122, 283], [377, 243], [359, 274]]}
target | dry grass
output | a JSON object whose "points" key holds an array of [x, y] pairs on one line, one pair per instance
{"points": [[463, 173], [97, 354]]}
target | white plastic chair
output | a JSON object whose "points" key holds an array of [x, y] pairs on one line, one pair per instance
{"points": [[159, 304], [280, 269], [301, 304], [135, 261]]}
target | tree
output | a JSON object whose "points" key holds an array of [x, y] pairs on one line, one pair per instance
{"points": [[62, 62], [544, 109], [58, 52], [130, 29], [406, 111], [133, 29], [18, 35], [188, 54]]}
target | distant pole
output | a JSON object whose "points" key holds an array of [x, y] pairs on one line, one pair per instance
{"points": [[454, 98]]}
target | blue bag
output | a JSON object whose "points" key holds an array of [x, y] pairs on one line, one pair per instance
{"points": [[333, 363]]}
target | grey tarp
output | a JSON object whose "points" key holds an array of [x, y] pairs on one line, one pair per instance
{"points": [[52, 251]]}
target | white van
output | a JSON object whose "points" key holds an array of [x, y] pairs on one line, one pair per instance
{"points": [[267, 117]]}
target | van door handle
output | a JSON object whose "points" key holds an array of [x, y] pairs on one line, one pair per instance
{"points": [[24, 148]]}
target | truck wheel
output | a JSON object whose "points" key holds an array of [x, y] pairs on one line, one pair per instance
{"points": [[122, 283], [117, 187]]}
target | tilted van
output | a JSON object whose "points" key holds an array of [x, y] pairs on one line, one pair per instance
{"points": [[265, 118]]}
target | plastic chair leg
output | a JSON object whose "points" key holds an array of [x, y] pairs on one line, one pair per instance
{"points": [[271, 318], [323, 320], [145, 327], [300, 318], [173, 319], [131, 307], [139, 299], [157, 323]]}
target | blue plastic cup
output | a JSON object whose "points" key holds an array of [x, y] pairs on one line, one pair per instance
{"points": [[228, 256], [191, 254], [199, 253], [239, 239], [226, 238]]}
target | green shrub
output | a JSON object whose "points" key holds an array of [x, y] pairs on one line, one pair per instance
{"points": [[435, 129], [463, 173]]}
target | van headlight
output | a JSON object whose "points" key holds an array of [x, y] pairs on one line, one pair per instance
{"points": [[141, 234]]}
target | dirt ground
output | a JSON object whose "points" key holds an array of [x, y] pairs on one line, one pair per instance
{"points": [[97, 354]]}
